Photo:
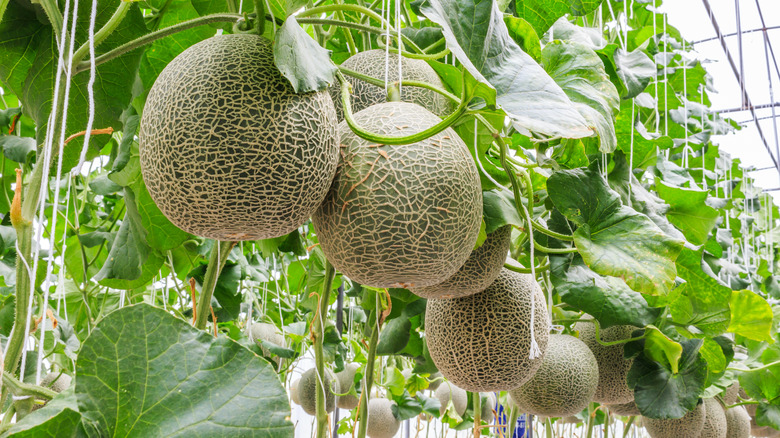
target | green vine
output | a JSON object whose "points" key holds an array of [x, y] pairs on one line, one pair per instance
{"points": [[219, 255], [318, 337]]}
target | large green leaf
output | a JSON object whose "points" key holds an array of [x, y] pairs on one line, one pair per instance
{"points": [[226, 300], [478, 37], [634, 139], [608, 299], [613, 239], [688, 211], [144, 373], [580, 73], [659, 393], [499, 209], [635, 70], [543, 13], [28, 60], [751, 316], [662, 349], [704, 302]]}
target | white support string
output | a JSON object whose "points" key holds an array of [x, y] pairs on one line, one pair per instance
{"points": [[90, 87], [400, 44]]}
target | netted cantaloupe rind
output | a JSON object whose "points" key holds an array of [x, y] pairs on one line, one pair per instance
{"points": [[690, 424], [613, 367], [447, 392], [482, 342], [228, 150], [400, 216], [381, 421], [737, 423], [480, 270], [714, 421], [373, 63], [307, 390], [625, 409], [346, 379], [564, 384]]}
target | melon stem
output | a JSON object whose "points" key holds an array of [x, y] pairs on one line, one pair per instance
{"points": [[259, 16], [318, 330], [477, 398], [217, 259]]}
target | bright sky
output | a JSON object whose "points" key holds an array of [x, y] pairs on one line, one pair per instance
{"points": [[691, 19]]}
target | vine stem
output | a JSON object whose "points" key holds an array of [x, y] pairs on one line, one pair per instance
{"points": [[318, 337], [217, 259], [260, 14], [369, 375], [514, 412], [383, 139], [381, 83], [477, 415], [597, 326], [104, 31], [750, 370], [627, 427], [54, 15], [19, 388], [523, 270], [154, 36], [548, 427]]}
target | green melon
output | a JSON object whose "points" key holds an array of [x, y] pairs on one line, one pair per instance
{"points": [[262, 331], [480, 270], [400, 216], [482, 342], [613, 367], [294, 391], [564, 384], [714, 421], [372, 63], [487, 403], [346, 380], [737, 423], [626, 409], [447, 392], [228, 150], [690, 425], [307, 391], [381, 421], [56, 381]]}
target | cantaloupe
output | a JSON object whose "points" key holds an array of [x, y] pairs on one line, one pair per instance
{"points": [[228, 150], [482, 342], [626, 409], [714, 421], [373, 63], [400, 216], [613, 367], [294, 391], [480, 270], [435, 380], [487, 404], [730, 395], [381, 421], [56, 381], [690, 425], [737, 423], [447, 392], [307, 391], [346, 379], [263, 331], [564, 384]]}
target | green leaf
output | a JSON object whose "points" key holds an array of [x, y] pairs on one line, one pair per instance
{"points": [[768, 415], [161, 233], [283, 8], [608, 299], [688, 211], [635, 70], [395, 381], [499, 209], [301, 60], [712, 352], [60, 418], [662, 349], [19, 149], [704, 302], [430, 405], [102, 185], [632, 136], [226, 300], [478, 37], [580, 73], [143, 373], [751, 316], [659, 393], [524, 35], [613, 239], [543, 13]]}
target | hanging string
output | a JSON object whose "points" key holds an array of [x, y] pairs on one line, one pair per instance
{"points": [[631, 152], [90, 87], [657, 97], [703, 157], [400, 45], [386, 35]]}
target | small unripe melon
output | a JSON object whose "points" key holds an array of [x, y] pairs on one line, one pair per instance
{"points": [[56, 381], [730, 395], [447, 392], [488, 403], [307, 391], [564, 384], [482, 342], [737, 423], [400, 216], [294, 392], [381, 421], [626, 409], [346, 378], [613, 367], [263, 331], [690, 425], [228, 150], [480, 270], [372, 63], [714, 421]]}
